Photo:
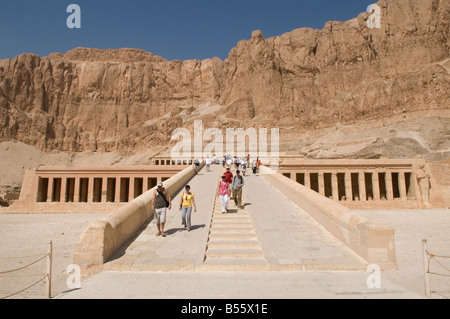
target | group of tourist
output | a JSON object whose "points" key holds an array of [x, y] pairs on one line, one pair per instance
{"points": [[230, 186], [241, 162]]}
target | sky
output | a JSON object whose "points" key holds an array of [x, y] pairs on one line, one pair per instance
{"points": [[173, 29]]}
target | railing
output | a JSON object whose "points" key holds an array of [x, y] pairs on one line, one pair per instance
{"points": [[427, 258], [48, 275]]}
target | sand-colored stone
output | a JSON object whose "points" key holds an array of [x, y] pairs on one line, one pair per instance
{"points": [[303, 79]]}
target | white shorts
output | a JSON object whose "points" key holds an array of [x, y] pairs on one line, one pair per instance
{"points": [[160, 215]]}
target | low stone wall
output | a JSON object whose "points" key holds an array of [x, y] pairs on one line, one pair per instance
{"points": [[372, 241], [102, 238]]}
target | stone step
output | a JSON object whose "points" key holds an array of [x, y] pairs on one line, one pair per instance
{"points": [[231, 216], [223, 223], [232, 230], [232, 236], [223, 253], [235, 244], [242, 219], [227, 262], [235, 213]]}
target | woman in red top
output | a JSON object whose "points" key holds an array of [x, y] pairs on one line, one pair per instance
{"points": [[228, 176]]}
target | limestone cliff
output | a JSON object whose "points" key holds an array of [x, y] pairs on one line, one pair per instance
{"points": [[129, 99]]}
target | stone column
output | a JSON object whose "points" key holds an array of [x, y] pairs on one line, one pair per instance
{"points": [[50, 186], [131, 189], [90, 190], [362, 186], [63, 189], [117, 199], [334, 186], [389, 186], [76, 190], [104, 189], [145, 184], [402, 185], [375, 186], [321, 184], [307, 180], [293, 176], [348, 186]]}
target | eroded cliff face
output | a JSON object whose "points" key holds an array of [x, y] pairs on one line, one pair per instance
{"points": [[129, 99]]}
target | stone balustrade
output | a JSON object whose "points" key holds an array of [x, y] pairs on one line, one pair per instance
{"points": [[373, 242]]}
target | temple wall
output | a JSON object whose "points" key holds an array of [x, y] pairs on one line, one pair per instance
{"points": [[86, 189], [371, 184]]}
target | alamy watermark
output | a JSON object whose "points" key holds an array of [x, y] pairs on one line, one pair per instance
{"points": [[374, 19], [374, 279], [74, 19], [238, 142], [74, 279]]}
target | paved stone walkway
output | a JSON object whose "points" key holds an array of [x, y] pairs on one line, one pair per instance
{"points": [[235, 285], [292, 245], [288, 235], [180, 249]]}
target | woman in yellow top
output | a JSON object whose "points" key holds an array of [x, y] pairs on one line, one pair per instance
{"points": [[187, 201]]}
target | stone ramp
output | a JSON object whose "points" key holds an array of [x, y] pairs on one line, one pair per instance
{"points": [[269, 234], [289, 237], [180, 249]]}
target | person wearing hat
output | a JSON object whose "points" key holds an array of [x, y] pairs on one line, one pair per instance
{"points": [[236, 186], [161, 201]]}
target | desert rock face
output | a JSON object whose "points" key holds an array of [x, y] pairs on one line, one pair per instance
{"points": [[128, 100]]}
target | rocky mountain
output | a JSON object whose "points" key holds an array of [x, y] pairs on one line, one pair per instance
{"points": [[128, 100]]}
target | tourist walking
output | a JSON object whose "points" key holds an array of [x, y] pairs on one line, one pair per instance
{"points": [[244, 167], [236, 186], [187, 201], [229, 161], [254, 166], [224, 193], [228, 175], [161, 201], [208, 164], [197, 165]]}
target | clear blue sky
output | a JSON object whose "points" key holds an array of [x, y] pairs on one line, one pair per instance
{"points": [[173, 29]]}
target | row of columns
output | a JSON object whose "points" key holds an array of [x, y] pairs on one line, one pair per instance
{"points": [[94, 189], [167, 161], [371, 188]]}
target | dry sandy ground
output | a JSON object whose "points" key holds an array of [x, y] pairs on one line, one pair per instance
{"points": [[411, 226], [28, 234]]}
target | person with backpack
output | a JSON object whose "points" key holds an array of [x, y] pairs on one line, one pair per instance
{"points": [[236, 186], [161, 201]]}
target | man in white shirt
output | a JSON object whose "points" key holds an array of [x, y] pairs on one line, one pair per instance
{"points": [[208, 163]]}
